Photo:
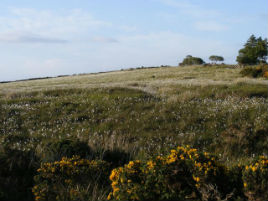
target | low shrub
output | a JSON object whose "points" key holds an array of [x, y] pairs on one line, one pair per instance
{"points": [[256, 71], [255, 177], [183, 174], [70, 179]]}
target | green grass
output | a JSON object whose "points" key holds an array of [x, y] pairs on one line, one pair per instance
{"points": [[140, 112]]}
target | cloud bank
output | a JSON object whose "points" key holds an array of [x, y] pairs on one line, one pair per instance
{"points": [[29, 38]]}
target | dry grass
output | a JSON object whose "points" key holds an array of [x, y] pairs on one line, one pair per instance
{"points": [[153, 80]]}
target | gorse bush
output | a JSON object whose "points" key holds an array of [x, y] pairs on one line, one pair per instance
{"points": [[183, 174], [255, 177], [70, 179], [256, 71]]}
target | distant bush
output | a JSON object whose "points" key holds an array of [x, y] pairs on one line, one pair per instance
{"points": [[190, 60], [183, 174], [70, 179], [255, 178], [256, 71], [215, 58]]}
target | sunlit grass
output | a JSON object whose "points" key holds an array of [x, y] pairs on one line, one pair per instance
{"points": [[150, 80]]}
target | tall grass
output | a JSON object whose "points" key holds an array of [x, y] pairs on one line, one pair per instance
{"points": [[138, 121]]}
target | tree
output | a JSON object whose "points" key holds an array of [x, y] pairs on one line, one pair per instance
{"points": [[254, 51], [190, 60], [216, 58]]}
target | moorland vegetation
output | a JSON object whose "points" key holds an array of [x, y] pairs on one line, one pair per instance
{"points": [[168, 133]]}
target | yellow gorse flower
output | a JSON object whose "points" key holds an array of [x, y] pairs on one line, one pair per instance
{"points": [[130, 164], [151, 164]]}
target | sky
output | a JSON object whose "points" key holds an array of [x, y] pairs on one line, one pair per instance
{"points": [[65, 37]]}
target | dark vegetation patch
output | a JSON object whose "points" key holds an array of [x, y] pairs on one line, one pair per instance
{"points": [[255, 71]]}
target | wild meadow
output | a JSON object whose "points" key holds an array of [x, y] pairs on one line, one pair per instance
{"points": [[62, 137]]}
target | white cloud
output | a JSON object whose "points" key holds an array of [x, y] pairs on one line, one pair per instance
{"points": [[203, 19], [49, 24], [191, 9], [210, 26]]}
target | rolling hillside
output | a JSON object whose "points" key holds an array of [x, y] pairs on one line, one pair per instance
{"points": [[137, 114]]}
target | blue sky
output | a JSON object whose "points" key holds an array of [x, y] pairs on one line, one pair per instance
{"points": [[55, 37]]}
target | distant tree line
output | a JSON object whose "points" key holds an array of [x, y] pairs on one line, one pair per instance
{"points": [[190, 60], [254, 52]]}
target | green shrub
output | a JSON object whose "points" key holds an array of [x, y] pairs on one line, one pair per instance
{"points": [[255, 177], [70, 179]]}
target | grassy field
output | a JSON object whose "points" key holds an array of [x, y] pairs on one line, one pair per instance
{"points": [[135, 114], [152, 80]]}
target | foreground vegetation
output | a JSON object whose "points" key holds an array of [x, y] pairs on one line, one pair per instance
{"points": [[184, 174], [112, 118]]}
